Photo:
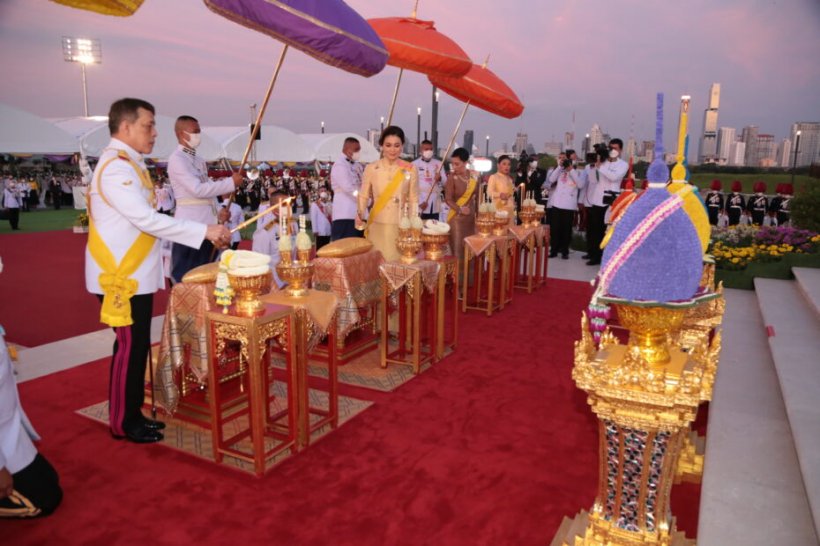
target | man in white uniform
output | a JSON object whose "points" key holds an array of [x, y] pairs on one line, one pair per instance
{"points": [[122, 258], [568, 181], [431, 182], [12, 197], [29, 485], [195, 194], [320, 217], [346, 180]]}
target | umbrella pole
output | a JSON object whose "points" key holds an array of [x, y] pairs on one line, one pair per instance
{"points": [[450, 145], [261, 113], [395, 96]]}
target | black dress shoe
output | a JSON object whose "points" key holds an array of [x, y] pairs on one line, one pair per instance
{"points": [[142, 435], [594, 262], [585, 257], [153, 425], [565, 256], [553, 254]]}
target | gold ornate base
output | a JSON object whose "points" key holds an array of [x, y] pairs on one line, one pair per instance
{"points": [[690, 464], [587, 530]]}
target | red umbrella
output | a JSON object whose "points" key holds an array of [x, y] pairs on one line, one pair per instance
{"points": [[481, 87], [414, 44]]}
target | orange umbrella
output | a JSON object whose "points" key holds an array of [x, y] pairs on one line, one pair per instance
{"points": [[414, 44], [481, 87]]}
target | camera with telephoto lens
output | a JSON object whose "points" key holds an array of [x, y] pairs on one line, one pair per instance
{"points": [[601, 151], [566, 164]]}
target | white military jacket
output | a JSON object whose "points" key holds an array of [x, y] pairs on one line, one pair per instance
{"points": [[427, 176], [194, 192], [346, 181], [127, 213]]}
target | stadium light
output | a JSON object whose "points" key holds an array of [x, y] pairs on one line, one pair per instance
{"points": [[83, 51]]}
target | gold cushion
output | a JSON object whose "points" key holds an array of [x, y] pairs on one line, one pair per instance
{"points": [[349, 246], [202, 274]]}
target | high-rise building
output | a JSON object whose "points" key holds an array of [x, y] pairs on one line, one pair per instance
{"points": [[521, 141], [631, 148], [726, 137], [784, 153], [596, 136], [808, 150], [708, 140], [737, 154], [586, 147], [552, 148], [749, 138], [766, 151], [569, 140], [468, 140]]}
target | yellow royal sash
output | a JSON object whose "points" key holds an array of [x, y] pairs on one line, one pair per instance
{"points": [[386, 196], [115, 281], [468, 193]]}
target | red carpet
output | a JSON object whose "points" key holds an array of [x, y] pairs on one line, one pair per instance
{"points": [[43, 288], [494, 445]]}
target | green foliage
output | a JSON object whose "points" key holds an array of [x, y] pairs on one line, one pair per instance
{"points": [[805, 209]]}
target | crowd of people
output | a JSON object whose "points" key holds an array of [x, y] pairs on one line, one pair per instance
{"points": [[24, 193]]}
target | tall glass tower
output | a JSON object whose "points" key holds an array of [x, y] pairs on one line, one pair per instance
{"points": [[708, 141]]}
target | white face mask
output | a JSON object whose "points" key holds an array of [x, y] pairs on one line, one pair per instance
{"points": [[355, 157], [533, 164], [427, 154], [194, 140], [613, 154]]}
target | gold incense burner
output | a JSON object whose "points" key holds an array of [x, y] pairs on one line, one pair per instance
{"points": [[247, 290], [500, 225]]}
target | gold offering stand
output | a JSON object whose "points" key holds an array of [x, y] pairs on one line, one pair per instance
{"points": [[645, 395], [490, 289]]}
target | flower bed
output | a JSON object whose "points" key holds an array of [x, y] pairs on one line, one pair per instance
{"points": [[742, 253]]}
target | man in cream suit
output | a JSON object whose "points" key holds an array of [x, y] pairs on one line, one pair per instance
{"points": [[122, 260]]}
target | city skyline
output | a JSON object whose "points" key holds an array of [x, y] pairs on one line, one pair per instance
{"points": [[186, 59]]}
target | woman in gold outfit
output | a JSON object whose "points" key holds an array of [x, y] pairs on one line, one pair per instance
{"points": [[460, 194], [500, 188], [392, 183]]}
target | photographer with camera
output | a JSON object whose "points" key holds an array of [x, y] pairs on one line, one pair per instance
{"points": [[605, 185], [564, 196]]}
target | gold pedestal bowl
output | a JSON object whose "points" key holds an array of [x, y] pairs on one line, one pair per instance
{"points": [[297, 275], [649, 328], [500, 225], [434, 245], [248, 289], [484, 223]]}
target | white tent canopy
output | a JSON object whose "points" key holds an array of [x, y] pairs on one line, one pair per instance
{"points": [[24, 133], [277, 143], [93, 136], [328, 146]]}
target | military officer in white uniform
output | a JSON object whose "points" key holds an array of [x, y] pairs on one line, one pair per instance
{"points": [[346, 180], [431, 182], [195, 194], [122, 259]]}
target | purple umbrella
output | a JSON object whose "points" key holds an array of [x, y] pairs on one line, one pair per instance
{"points": [[327, 30]]}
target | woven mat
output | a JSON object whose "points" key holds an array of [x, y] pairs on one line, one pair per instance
{"points": [[194, 440]]}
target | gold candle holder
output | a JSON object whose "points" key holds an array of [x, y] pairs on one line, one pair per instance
{"points": [[247, 290], [297, 275], [409, 243], [434, 245]]}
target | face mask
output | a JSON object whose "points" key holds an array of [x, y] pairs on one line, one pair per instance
{"points": [[194, 139], [613, 154], [355, 157], [427, 154], [533, 164]]}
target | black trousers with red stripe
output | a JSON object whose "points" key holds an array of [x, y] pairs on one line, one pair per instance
{"points": [[126, 391]]}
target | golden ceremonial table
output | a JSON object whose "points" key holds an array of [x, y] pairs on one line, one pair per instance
{"points": [[314, 318], [416, 286], [254, 335], [530, 270], [490, 290], [355, 281]]}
